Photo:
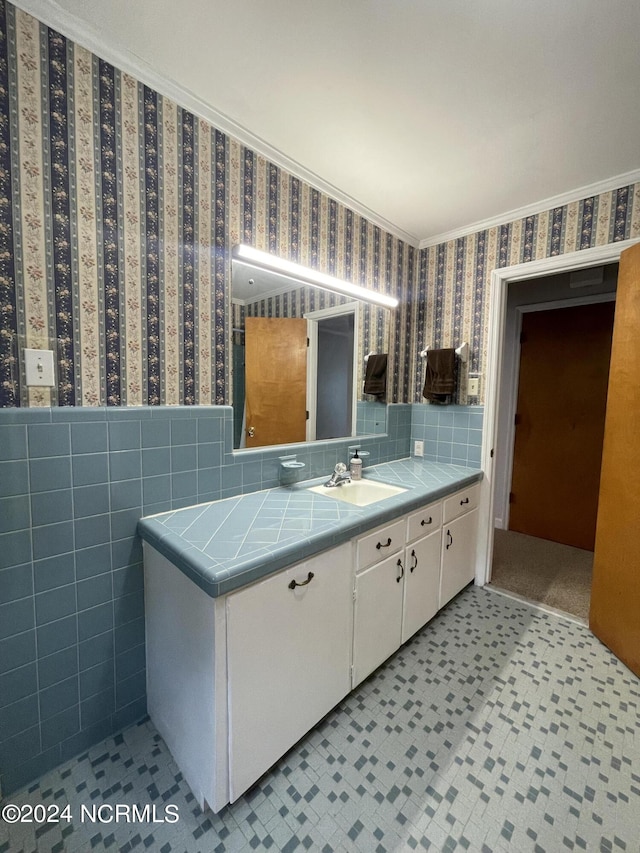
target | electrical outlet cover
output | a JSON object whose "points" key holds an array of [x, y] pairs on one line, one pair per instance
{"points": [[418, 448]]}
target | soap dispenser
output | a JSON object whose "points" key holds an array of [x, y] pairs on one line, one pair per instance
{"points": [[355, 467]]}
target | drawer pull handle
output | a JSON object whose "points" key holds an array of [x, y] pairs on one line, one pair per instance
{"points": [[450, 542], [465, 501], [384, 544], [294, 584], [415, 565], [401, 567], [428, 521]]}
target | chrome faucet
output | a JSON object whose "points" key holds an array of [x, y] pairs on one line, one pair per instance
{"points": [[340, 475]]}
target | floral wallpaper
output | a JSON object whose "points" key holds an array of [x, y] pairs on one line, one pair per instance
{"points": [[119, 213], [451, 300]]}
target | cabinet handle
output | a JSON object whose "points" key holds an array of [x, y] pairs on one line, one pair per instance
{"points": [[428, 521], [415, 565], [401, 567], [294, 584], [465, 501], [384, 544], [450, 542]]}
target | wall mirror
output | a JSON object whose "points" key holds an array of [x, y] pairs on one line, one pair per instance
{"points": [[298, 355]]}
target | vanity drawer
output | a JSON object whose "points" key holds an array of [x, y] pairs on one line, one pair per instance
{"points": [[425, 521], [380, 544], [460, 503]]}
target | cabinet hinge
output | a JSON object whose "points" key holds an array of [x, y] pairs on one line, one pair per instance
{"points": [[517, 419], [307, 415], [511, 498], [354, 595], [307, 341]]}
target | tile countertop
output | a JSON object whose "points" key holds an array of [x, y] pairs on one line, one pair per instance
{"points": [[227, 544]]}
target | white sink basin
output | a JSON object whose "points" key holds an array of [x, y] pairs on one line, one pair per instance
{"points": [[359, 492]]}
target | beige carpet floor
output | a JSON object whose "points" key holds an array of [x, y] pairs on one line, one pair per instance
{"points": [[542, 571]]}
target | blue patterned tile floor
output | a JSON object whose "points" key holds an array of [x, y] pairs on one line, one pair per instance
{"points": [[498, 727]]}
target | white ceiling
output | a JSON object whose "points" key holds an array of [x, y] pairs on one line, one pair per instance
{"points": [[429, 114]]}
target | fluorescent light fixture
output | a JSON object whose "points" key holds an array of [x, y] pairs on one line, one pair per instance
{"points": [[310, 276]]}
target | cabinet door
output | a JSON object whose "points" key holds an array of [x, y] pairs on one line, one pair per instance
{"points": [[288, 657], [377, 625], [458, 555], [421, 583]]}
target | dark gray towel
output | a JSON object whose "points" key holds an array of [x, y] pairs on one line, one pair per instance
{"points": [[440, 377], [375, 377]]}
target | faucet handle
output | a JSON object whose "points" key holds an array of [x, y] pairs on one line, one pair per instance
{"points": [[340, 468]]}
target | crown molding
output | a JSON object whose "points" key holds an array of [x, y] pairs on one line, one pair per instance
{"points": [[537, 207], [52, 15]]}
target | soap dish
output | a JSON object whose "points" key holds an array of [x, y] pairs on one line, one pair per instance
{"points": [[289, 467]]}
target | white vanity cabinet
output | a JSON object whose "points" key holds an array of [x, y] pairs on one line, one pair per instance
{"points": [[234, 681], [422, 570], [288, 660], [459, 533], [429, 557], [395, 596]]}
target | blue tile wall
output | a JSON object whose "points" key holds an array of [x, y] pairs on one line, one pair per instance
{"points": [[450, 433], [73, 484], [371, 417]]}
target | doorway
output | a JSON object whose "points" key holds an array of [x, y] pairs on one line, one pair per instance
{"points": [[543, 547], [546, 555], [334, 385], [559, 423], [502, 381], [332, 371]]}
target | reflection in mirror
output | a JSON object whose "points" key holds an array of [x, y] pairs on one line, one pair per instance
{"points": [[277, 378]]}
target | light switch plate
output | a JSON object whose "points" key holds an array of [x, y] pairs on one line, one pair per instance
{"points": [[39, 368], [473, 386]]}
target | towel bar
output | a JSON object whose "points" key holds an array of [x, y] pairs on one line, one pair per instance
{"points": [[462, 352]]}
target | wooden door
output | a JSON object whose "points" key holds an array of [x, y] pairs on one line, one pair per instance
{"points": [[276, 380], [615, 595], [564, 367]]}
